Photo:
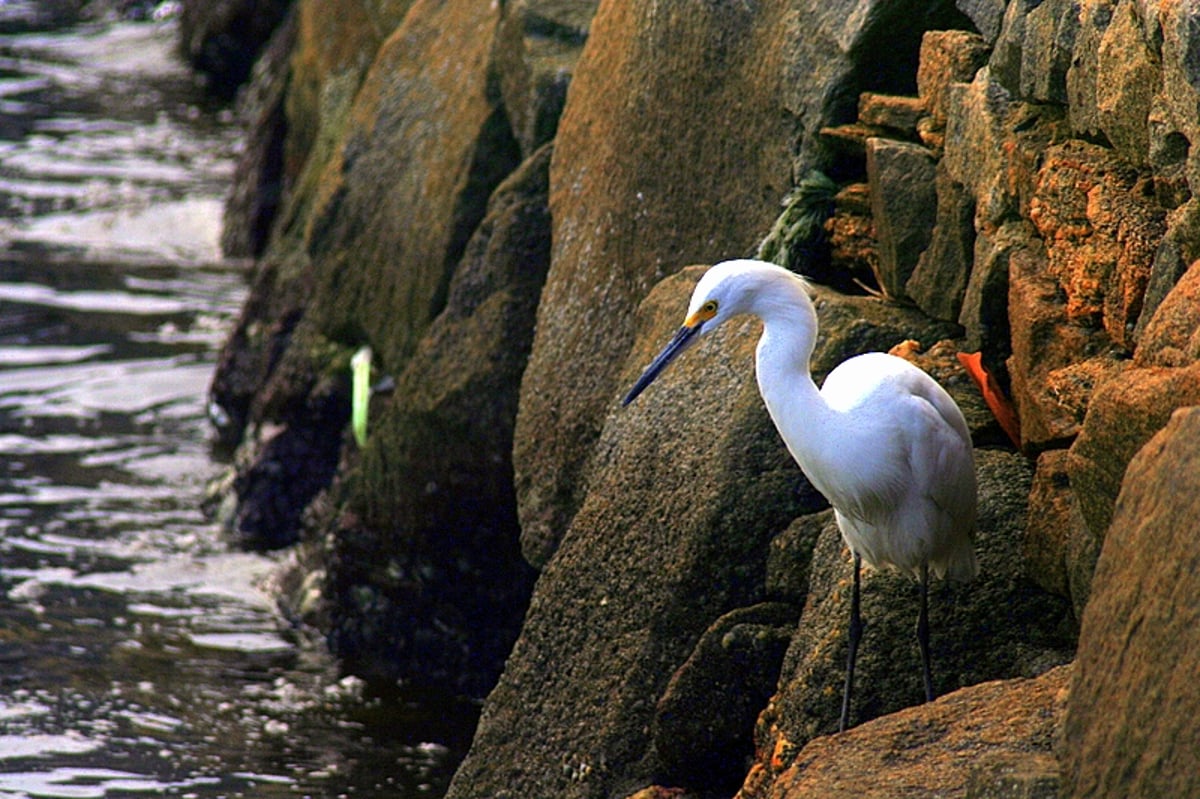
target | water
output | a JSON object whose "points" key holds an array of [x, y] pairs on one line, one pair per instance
{"points": [[139, 654]]}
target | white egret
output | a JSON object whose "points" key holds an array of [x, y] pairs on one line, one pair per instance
{"points": [[881, 440]]}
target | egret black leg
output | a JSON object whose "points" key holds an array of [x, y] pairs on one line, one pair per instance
{"points": [[923, 633], [852, 654]]}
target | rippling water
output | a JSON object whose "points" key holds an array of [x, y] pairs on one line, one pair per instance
{"points": [[138, 653]]}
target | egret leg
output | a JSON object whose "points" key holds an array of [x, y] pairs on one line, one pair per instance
{"points": [[923, 632], [856, 628]]}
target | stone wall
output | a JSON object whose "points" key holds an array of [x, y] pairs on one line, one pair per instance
{"points": [[501, 201]]}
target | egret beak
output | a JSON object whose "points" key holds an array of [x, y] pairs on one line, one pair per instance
{"points": [[678, 343]]}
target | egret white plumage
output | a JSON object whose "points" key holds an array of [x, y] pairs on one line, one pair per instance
{"points": [[881, 440]]}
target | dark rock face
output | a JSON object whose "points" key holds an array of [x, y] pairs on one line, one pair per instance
{"points": [[703, 724], [416, 538], [425, 572], [222, 39], [295, 462], [260, 183]]}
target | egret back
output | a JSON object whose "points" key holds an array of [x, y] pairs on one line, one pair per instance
{"points": [[914, 498]]}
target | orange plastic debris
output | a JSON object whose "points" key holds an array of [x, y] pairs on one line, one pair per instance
{"points": [[999, 404]]}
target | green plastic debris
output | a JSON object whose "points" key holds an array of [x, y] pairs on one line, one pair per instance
{"points": [[360, 393]]}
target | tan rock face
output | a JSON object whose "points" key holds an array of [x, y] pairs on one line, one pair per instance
{"points": [[1133, 717], [638, 190], [947, 57], [1056, 362]]}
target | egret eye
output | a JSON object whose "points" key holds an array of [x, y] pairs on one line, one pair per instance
{"points": [[709, 309]]}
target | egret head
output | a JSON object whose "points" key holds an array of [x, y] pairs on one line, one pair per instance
{"points": [[722, 293]]}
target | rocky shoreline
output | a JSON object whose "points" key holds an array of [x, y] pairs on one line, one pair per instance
{"points": [[502, 200]]}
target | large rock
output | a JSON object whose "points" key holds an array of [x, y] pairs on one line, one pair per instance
{"points": [[296, 455], [673, 147], [1133, 717], [424, 567], [426, 143], [1124, 414], [1095, 16], [988, 741], [904, 205], [673, 534], [1101, 230], [977, 121], [1060, 551], [1048, 524]]}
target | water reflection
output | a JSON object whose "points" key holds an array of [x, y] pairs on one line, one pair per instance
{"points": [[137, 653]]}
